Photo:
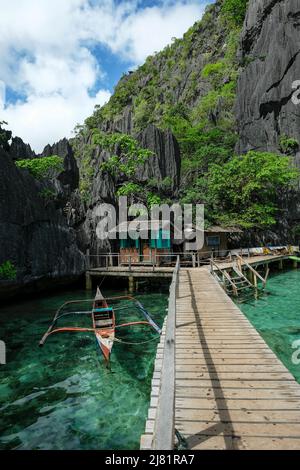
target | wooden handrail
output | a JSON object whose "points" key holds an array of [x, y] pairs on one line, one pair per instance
{"points": [[225, 274], [264, 280], [164, 432]]}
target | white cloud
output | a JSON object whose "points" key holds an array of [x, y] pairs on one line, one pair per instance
{"points": [[43, 119], [152, 29], [2, 95], [46, 55]]}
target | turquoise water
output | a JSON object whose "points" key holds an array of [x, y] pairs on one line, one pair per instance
{"points": [[61, 396], [276, 316]]}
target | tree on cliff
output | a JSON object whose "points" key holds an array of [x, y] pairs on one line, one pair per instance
{"points": [[244, 191], [5, 136]]}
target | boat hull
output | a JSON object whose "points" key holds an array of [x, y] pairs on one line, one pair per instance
{"points": [[103, 316], [105, 343]]}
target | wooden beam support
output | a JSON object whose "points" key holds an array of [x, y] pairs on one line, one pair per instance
{"points": [[131, 284], [295, 264], [88, 281]]}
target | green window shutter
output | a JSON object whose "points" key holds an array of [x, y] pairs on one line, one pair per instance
{"points": [[164, 240], [124, 243]]}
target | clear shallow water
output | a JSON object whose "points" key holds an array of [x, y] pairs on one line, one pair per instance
{"points": [[61, 396], [276, 316]]}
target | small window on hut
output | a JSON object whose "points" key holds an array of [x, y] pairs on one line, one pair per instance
{"points": [[213, 241]]}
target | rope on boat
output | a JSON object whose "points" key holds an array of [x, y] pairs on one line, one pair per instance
{"points": [[147, 316], [89, 312], [139, 342]]}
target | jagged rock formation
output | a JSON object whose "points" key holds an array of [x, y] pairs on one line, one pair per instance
{"points": [[35, 236], [19, 150], [270, 48], [166, 162], [265, 111], [61, 149], [168, 78]]}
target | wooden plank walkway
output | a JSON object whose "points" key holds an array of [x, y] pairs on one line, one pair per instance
{"points": [[134, 271], [232, 392], [258, 260]]}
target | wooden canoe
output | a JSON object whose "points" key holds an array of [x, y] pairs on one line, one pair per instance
{"points": [[104, 324]]}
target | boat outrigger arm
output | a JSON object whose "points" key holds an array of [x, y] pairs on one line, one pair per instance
{"points": [[52, 328]]}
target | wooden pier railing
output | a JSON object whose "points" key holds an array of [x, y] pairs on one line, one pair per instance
{"points": [[160, 428], [164, 432]]}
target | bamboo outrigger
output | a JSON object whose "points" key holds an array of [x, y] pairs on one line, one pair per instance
{"points": [[103, 321]]}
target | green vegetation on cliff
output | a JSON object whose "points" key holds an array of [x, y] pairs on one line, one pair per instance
{"points": [[234, 11], [8, 271], [127, 153], [42, 167], [243, 191], [126, 157], [190, 88]]}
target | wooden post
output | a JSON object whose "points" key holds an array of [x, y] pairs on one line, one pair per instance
{"points": [[88, 264], [255, 280], [198, 259], [88, 281], [194, 260], [224, 282], [295, 264], [131, 284]]}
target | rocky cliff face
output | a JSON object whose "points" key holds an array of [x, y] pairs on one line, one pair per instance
{"points": [[270, 49], [61, 149], [35, 236], [265, 108], [19, 150], [165, 163]]}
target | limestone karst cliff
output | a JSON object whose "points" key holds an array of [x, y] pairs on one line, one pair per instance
{"points": [[35, 236], [270, 48], [222, 90]]}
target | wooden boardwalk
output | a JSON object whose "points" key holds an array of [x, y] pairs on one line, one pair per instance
{"points": [[231, 391], [258, 260]]}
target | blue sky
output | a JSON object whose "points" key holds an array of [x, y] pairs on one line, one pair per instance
{"points": [[59, 58]]}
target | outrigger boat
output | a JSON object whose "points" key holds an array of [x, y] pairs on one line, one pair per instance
{"points": [[103, 321], [104, 324]]}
